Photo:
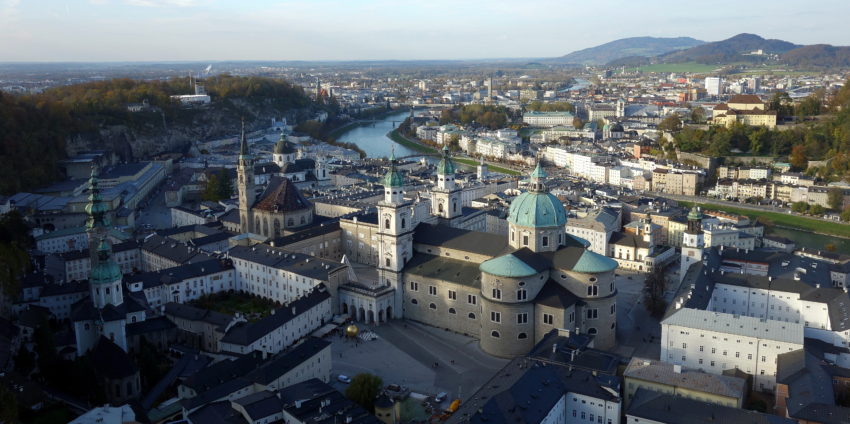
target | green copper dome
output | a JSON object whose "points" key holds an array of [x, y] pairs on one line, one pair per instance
{"points": [[507, 266], [594, 263], [106, 270], [446, 165], [695, 213], [392, 178], [283, 146], [538, 207]]}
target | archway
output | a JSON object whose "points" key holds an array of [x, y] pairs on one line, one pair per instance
{"points": [[344, 308], [389, 313], [370, 317], [361, 314], [380, 316]]}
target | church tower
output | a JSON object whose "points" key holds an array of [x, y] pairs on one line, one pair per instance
{"points": [[105, 278], [481, 170], [445, 196], [97, 223], [692, 241], [395, 233], [245, 183]]}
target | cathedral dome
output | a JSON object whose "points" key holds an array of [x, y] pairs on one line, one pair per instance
{"points": [[534, 209], [283, 146]]}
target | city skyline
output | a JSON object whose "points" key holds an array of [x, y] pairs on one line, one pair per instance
{"points": [[331, 30]]}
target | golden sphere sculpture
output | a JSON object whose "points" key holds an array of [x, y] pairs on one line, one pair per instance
{"points": [[351, 330]]}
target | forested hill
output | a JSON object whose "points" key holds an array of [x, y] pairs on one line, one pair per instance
{"points": [[38, 130]]}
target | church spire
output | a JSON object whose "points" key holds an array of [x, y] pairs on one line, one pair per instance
{"points": [[537, 177], [243, 142], [96, 209]]}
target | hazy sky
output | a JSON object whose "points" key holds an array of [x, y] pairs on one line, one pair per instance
{"points": [[155, 30]]}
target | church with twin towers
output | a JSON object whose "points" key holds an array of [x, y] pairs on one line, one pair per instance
{"points": [[426, 260]]}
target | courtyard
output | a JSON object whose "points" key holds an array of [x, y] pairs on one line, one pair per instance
{"points": [[425, 359], [638, 333]]}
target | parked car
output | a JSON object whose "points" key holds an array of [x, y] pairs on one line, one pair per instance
{"points": [[344, 379]]}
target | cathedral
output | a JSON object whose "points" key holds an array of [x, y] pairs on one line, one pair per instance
{"points": [[281, 209], [507, 292]]}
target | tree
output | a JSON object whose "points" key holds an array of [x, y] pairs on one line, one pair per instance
{"points": [[698, 115], [454, 143], [671, 123], [781, 102], [799, 207], [835, 198], [219, 187], [798, 157], [809, 106], [845, 214], [654, 287], [578, 123], [363, 390], [816, 209]]}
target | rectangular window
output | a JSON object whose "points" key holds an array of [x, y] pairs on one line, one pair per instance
{"points": [[525, 240], [452, 295], [496, 316], [572, 316], [497, 294], [548, 319], [522, 318], [432, 290], [521, 294], [472, 299], [592, 314], [545, 241], [414, 286]]}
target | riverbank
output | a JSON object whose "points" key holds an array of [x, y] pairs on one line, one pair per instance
{"points": [[339, 131], [395, 136], [785, 220]]}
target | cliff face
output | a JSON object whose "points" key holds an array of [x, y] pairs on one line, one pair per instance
{"points": [[148, 133]]}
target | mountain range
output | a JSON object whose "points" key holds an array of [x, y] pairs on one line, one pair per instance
{"points": [[740, 48], [634, 46]]}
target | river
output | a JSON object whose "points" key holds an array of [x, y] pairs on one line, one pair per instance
{"points": [[372, 137]]}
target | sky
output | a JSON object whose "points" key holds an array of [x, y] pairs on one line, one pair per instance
{"points": [[269, 30]]}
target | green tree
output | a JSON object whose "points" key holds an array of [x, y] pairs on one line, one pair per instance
{"points": [[671, 123], [809, 106], [845, 214], [816, 210], [698, 115], [781, 102], [758, 140], [454, 143], [363, 390], [800, 207], [654, 286], [219, 186], [835, 198]]}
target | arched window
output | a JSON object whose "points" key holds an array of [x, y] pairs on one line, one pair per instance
{"points": [[440, 208], [495, 334], [471, 315], [454, 206], [414, 301], [591, 331], [388, 262], [387, 224], [522, 336], [403, 222], [452, 311], [290, 222], [432, 306]]}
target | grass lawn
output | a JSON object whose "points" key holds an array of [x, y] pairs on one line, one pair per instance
{"points": [[678, 67], [231, 303], [784, 219]]}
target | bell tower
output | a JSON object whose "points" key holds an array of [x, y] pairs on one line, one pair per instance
{"points": [[692, 241], [245, 183], [395, 233], [445, 196]]}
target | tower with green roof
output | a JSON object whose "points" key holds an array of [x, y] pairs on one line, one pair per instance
{"points": [[97, 223], [445, 196], [536, 218], [284, 152], [245, 183], [395, 231], [692, 241], [105, 278]]}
